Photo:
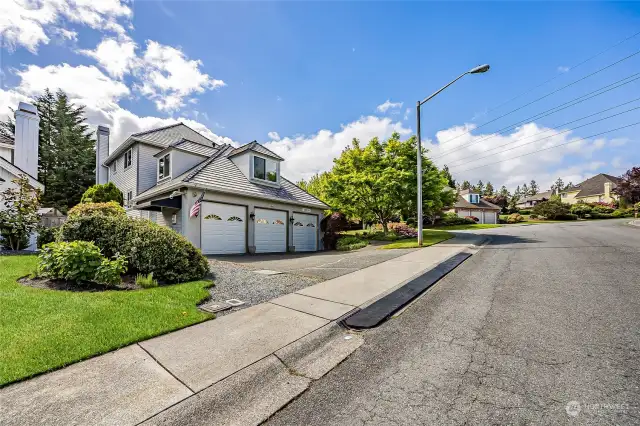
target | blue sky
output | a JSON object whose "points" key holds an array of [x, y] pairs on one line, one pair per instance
{"points": [[315, 74]]}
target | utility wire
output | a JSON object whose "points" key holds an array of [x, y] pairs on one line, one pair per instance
{"points": [[548, 130], [558, 75], [551, 147], [549, 111], [558, 133], [547, 95]]}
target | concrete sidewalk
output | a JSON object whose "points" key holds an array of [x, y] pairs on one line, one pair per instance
{"points": [[238, 369]]}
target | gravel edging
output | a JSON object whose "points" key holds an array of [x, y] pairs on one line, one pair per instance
{"points": [[236, 281]]}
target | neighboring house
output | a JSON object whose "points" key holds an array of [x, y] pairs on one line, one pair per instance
{"points": [[19, 156], [472, 204], [247, 206], [596, 189], [50, 217], [529, 202]]}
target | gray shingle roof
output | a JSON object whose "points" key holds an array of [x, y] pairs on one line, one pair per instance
{"points": [[255, 146], [595, 185], [461, 203], [219, 173], [190, 146], [6, 139], [539, 196]]}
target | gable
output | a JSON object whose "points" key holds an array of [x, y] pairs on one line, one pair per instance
{"points": [[8, 172]]}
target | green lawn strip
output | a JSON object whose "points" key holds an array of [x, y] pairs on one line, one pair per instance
{"points": [[42, 330], [429, 238], [466, 227]]}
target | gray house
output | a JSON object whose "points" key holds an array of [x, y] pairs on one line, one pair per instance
{"points": [[247, 206]]}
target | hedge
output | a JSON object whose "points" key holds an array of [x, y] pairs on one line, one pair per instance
{"points": [[148, 247], [349, 242], [110, 208]]}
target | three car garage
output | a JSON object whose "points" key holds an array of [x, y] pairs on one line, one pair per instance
{"points": [[227, 228]]}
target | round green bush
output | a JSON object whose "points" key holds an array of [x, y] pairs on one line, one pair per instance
{"points": [[515, 218], [102, 194], [148, 247], [110, 208]]}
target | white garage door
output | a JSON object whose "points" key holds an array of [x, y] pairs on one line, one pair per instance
{"points": [[271, 231], [489, 217], [224, 228], [305, 232], [478, 214]]}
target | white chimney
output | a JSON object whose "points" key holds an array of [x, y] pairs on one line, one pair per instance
{"points": [[102, 152], [26, 139]]}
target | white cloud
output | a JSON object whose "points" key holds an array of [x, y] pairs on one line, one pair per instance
{"points": [[117, 57], [26, 23], [167, 76], [85, 83], [563, 69], [501, 166], [407, 112], [66, 34], [306, 155], [384, 107], [274, 136]]}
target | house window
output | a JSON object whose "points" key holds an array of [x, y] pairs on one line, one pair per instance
{"points": [[129, 197], [474, 198], [127, 159], [264, 169], [174, 219], [164, 167]]}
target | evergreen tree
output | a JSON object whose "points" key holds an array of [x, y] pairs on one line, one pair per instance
{"points": [[479, 188], [558, 186], [569, 185], [488, 190], [533, 188], [518, 193], [450, 179], [504, 192], [525, 191], [66, 156], [466, 185]]}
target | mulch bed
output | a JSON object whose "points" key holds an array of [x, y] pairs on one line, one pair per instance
{"points": [[128, 283]]}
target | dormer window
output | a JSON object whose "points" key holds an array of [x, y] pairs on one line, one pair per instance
{"points": [[164, 167], [265, 169], [474, 198]]}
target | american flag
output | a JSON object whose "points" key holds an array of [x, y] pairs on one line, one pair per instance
{"points": [[195, 210]]}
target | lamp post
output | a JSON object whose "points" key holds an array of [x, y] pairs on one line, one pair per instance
{"points": [[477, 70]]}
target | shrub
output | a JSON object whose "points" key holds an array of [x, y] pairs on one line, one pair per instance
{"points": [[47, 235], [331, 226], [454, 219], [524, 211], [533, 216], [568, 216], [601, 209], [79, 261], [473, 218], [595, 215], [404, 231], [147, 247], [581, 209], [349, 242], [636, 206], [110, 208], [102, 194], [146, 281], [618, 213], [551, 209], [515, 218]]}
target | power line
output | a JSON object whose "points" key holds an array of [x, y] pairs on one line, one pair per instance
{"points": [[548, 130], [558, 75], [549, 111], [551, 147], [558, 133], [546, 96]]}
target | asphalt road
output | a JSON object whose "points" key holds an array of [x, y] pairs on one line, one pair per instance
{"points": [[542, 317]]}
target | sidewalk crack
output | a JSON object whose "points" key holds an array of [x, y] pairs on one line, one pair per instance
{"points": [[166, 369]]}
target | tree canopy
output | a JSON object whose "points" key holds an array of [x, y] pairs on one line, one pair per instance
{"points": [[629, 186]]}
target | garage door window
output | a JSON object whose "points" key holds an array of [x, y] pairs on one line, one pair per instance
{"points": [[212, 217], [262, 221], [278, 222], [311, 225], [234, 219], [298, 224]]}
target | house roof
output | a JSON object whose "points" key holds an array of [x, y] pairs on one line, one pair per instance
{"points": [[219, 173], [483, 204], [6, 140], [538, 197], [595, 185], [189, 146], [162, 138], [255, 146], [16, 171], [466, 191]]}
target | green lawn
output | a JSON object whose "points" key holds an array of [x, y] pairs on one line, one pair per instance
{"points": [[467, 227], [429, 238], [41, 330]]}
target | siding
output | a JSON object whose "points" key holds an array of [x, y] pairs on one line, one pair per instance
{"points": [[126, 180], [147, 167], [183, 161]]}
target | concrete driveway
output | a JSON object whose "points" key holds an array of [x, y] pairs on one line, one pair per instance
{"points": [[324, 265]]}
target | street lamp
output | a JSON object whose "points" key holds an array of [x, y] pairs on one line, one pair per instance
{"points": [[477, 70]]}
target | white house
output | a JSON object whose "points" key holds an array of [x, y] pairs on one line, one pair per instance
{"points": [[470, 203], [19, 156], [247, 207]]}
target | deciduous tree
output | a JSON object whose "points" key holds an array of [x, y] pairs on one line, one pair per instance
{"points": [[629, 186], [20, 218]]}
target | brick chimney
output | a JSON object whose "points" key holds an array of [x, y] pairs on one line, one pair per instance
{"points": [[26, 139], [102, 152]]}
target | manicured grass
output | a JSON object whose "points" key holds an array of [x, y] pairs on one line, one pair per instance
{"points": [[41, 330], [467, 227], [429, 238]]}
